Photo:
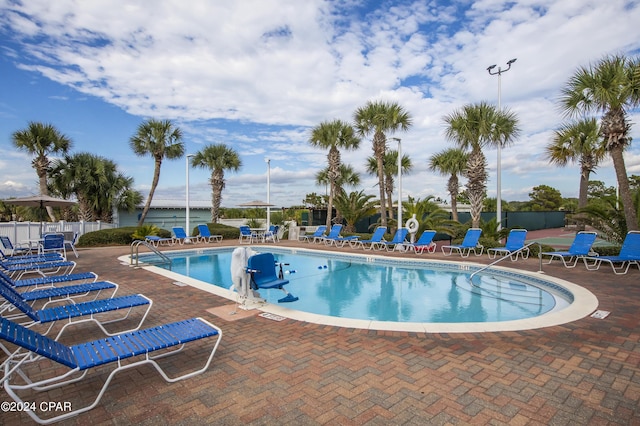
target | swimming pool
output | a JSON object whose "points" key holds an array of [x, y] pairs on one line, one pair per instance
{"points": [[376, 292]]}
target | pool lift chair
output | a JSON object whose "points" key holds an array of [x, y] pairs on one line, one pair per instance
{"points": [[248, 278], [262, 269]]}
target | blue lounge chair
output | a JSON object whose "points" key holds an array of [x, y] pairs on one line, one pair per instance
{"points": [[262, 268], [138, 346], [14, 250], [205, 235], [629, 255], [180, 236], [398, 242], [49, 294], [424, 243], [319, 233], [50, 280], [515, 244], [86, 311], [469, 244], [29, 259], [159, 241], [376, 238], [338, 239], [334, 233], [580, 247], [48, 267]]}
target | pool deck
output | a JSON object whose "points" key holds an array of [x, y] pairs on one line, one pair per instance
{"points": [[291, 372]]}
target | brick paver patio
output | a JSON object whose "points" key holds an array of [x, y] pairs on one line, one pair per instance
{"points": [[295, 373]]}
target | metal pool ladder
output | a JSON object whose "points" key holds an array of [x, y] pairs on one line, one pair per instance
{"points": [[520, 250], [137, 243]]}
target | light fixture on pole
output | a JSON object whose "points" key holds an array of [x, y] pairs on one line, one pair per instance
{"points": [[399, 181], [268, 161], [187, 224], [499, 165]]}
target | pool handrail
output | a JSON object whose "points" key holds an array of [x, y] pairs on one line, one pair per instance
{"points": [[136, 244], [526, 246]]}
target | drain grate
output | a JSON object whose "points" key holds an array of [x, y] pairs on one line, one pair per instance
{"points": [[271, 316], [600, 314]]}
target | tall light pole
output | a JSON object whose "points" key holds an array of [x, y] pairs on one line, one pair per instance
{"points": [[188, 226], [399, 181], [499, 166], [268, 161]]}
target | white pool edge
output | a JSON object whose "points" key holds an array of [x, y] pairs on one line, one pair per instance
{"points": [[584, 302]]}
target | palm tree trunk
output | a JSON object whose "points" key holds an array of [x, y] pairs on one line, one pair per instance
{"points": [[217, 185], [333, 174], [378, 151], [476, 186], [330, 206], [42, 180], [388, 183], [154, 184], [623, 186], [453, 187], [583, 194], [85, 212]]}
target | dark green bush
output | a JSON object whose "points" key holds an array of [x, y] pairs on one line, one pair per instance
{"points": [[113, 237]]}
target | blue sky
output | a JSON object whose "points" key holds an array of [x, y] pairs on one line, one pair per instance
{"points": [[259, 74]]}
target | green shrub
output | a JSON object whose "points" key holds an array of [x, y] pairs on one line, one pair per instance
{"points": [[143, 231], [114, 237]]}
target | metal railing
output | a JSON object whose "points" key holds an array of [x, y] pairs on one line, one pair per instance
{"points": [[137, 243], [520, 251]]}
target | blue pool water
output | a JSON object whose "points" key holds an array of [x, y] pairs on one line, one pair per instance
{"points": [[374, 288]]}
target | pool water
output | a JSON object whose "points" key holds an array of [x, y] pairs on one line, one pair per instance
{"points": [[374, 288]]}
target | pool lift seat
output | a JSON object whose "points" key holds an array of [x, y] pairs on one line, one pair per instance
{"points": [[262, 269]]}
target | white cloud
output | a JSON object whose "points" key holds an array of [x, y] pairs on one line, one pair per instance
{"points": [[235, 72]]}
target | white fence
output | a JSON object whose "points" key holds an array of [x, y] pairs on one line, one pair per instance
{"points": [[24, 231]]}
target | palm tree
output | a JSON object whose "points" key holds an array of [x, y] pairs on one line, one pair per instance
{"points": [[333, 135], [611, 87], [346, 176], [451, 162], [473, 127], [96, 183], [119, 194], [217, 158], [159, 139], [354, 207], [578, 142], [42, 140], [379, 118], [390, 171]]}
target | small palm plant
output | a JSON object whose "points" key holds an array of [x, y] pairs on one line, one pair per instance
{"points": [[144, 230], [354, 207]]}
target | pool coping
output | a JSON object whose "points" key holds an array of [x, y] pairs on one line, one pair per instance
{"points": [[584, 302]]}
